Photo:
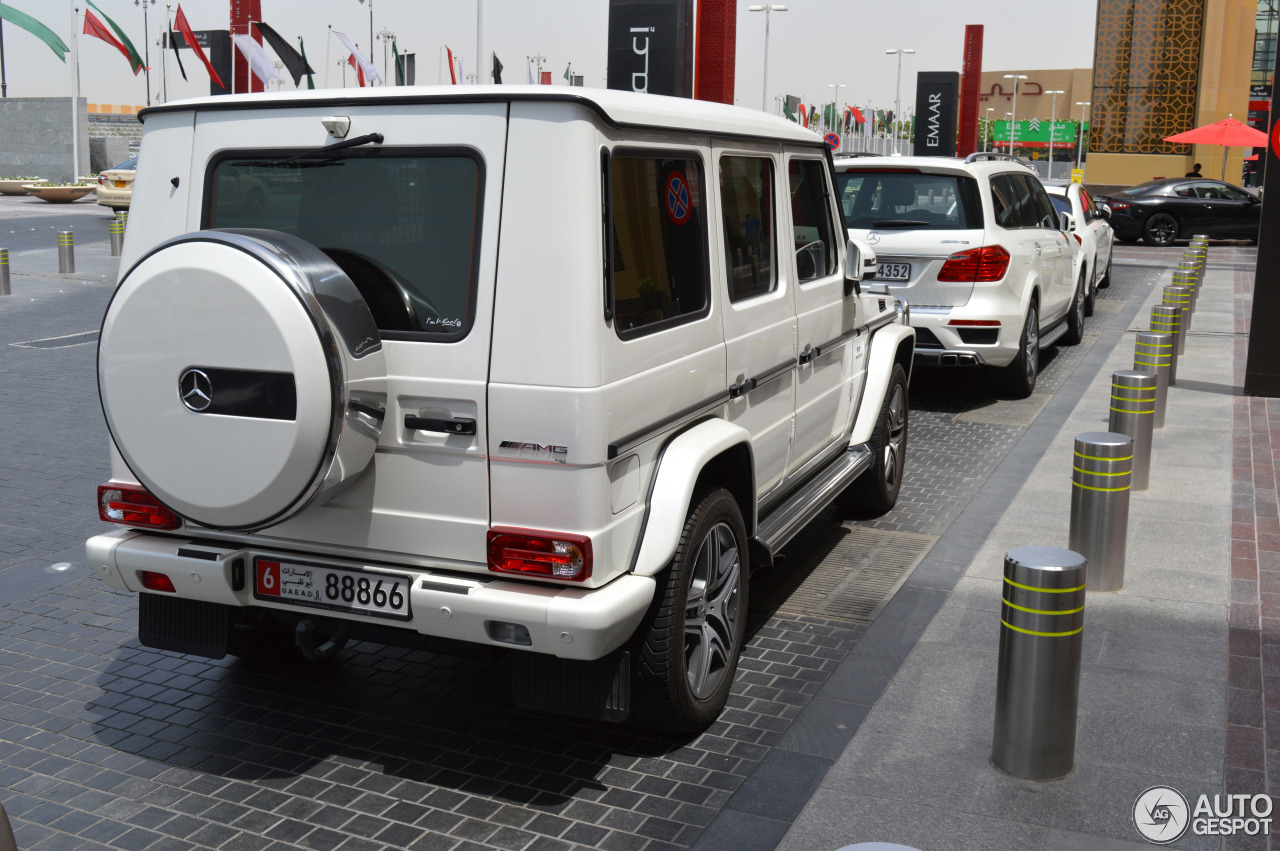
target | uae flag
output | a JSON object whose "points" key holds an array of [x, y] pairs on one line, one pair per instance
{"points": [[351, 60], [294, 62], [24, 21], [131, 52], [185, 28], [97, 29], [453, 75]]}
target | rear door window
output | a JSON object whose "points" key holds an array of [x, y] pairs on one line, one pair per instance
{"points": [[658, 260], [404, 226], [746, 187], [1007, 201], [908, 200]]}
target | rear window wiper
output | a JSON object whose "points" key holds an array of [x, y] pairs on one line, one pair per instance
{"points": [[899, 223], [322, 156]]}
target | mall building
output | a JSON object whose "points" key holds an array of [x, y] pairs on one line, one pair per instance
{"points": [[1160, 67]]}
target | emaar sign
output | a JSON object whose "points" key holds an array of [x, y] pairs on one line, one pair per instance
{"points": [[937, 93]]}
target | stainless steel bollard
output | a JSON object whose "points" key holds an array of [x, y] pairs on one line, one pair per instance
{"points": [[4, 271], [1188, 275], [66, 251], [1038, 678], [1100, 479], [122, 216], [1168, 320], [1133, 408], [116, 229], [1180, 297], [1153, 353]]}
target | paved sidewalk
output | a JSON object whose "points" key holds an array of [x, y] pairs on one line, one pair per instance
{"points": [[1153, 694]]}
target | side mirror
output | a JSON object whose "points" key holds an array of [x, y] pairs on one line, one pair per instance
{"points": [[859, 265], [1066, 222]]}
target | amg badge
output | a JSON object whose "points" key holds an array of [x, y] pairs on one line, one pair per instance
{"points": [[536, 451]]}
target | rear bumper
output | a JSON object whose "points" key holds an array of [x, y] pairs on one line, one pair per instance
{"points": [[111, 197], [572, 623]]}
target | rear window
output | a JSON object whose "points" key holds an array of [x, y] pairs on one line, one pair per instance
{"points": [[405, 227], [1062, 205], [909, 200]]}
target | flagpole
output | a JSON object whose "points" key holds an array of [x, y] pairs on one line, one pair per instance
{"points": [[75, 99], [479, 31], [327, 42], [4, 85]]}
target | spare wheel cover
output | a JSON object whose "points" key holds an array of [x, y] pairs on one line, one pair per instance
{"points": [[241, 375]]}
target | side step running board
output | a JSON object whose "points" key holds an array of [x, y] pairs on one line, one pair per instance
{"points": [[1048, 338], [784, 522]]}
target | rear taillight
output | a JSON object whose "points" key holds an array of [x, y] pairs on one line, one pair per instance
{"points": [[1079, 241], [102, 181], [975, 323], [530, 553], [1118, 205], [153, 581], [977, 265], [134, 506]]}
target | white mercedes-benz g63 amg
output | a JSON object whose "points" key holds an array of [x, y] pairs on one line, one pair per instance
{"points": [[519, 368]]}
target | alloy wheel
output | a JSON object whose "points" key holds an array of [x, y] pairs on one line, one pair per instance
{"points": [[712, 611], [897, 431]]}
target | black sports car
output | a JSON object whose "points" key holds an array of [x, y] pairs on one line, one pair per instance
{"points": [[1161, 211]]}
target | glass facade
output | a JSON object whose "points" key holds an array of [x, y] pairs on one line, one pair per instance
{"points": [[1264, 43], [1146, 73]]}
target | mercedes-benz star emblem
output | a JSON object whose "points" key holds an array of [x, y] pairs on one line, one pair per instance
{"points": [[195, 390], [873, 238]]}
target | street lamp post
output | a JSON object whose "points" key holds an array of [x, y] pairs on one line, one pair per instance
{"points": [[988, 137], [385, 36], [1013, 124], [362, 2], [897, 93], [764, 93], [146, 44], [1084, 117], [835, 100], [1053, 116]]}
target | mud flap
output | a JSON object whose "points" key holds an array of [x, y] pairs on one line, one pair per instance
{"points": [[599, 690], [182, 626]]}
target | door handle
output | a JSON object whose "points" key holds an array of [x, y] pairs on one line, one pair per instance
{"points": [[737, 391], [458, 425], [808, 355]]}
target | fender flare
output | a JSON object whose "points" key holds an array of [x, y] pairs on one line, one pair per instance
{"points": [[880, 361], [679, 466]]}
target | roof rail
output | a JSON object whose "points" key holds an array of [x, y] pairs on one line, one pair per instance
{"points": [[992, 155], [858, 154]]}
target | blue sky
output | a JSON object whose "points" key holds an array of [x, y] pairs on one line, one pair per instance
{"points": [[814, 44]]}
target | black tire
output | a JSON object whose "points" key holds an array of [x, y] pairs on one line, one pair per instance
{"points": [[1127, 240], [876, 491], [687, 647], [1160, 230], [1105, 281], [1018, 379], [1076, 314]]}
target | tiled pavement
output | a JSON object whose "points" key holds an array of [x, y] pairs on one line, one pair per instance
{"points": [[1253, 672], [106, 743]]}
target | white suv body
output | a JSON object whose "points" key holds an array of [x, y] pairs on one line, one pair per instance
{"points": [[1091, 231], [977, 249], [501, 366]]}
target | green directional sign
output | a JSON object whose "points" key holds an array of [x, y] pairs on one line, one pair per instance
{"points": [[1034, 133]]}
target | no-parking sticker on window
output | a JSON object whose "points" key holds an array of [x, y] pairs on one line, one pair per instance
{"points": [[679, 207]]}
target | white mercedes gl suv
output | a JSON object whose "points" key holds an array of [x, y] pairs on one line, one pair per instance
{"points": [[977, 249]]}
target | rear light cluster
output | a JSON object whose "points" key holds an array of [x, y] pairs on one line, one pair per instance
{"points": [[978, 265], [1118, 205], [1079, 241], [134, 506], [153, 581], [552, 555], [975, 323]]}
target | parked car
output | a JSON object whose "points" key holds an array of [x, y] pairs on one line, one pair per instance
{"points": [[979, 251], [115, 185], [1092, 233], [543, 372], [1162, 211]]}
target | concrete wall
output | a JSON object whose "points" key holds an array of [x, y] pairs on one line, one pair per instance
{"points": [[35, 138], [107, 152]]}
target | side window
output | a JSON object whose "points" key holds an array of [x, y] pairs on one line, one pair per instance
{"points": [[1184, 191], [658, 236], [1090, 209], [1040, 211], [746, 187], [813, 230], [1004, 201], [1230, 193]]}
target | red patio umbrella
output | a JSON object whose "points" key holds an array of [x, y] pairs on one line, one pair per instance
{"points": [[1228, 132]]}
